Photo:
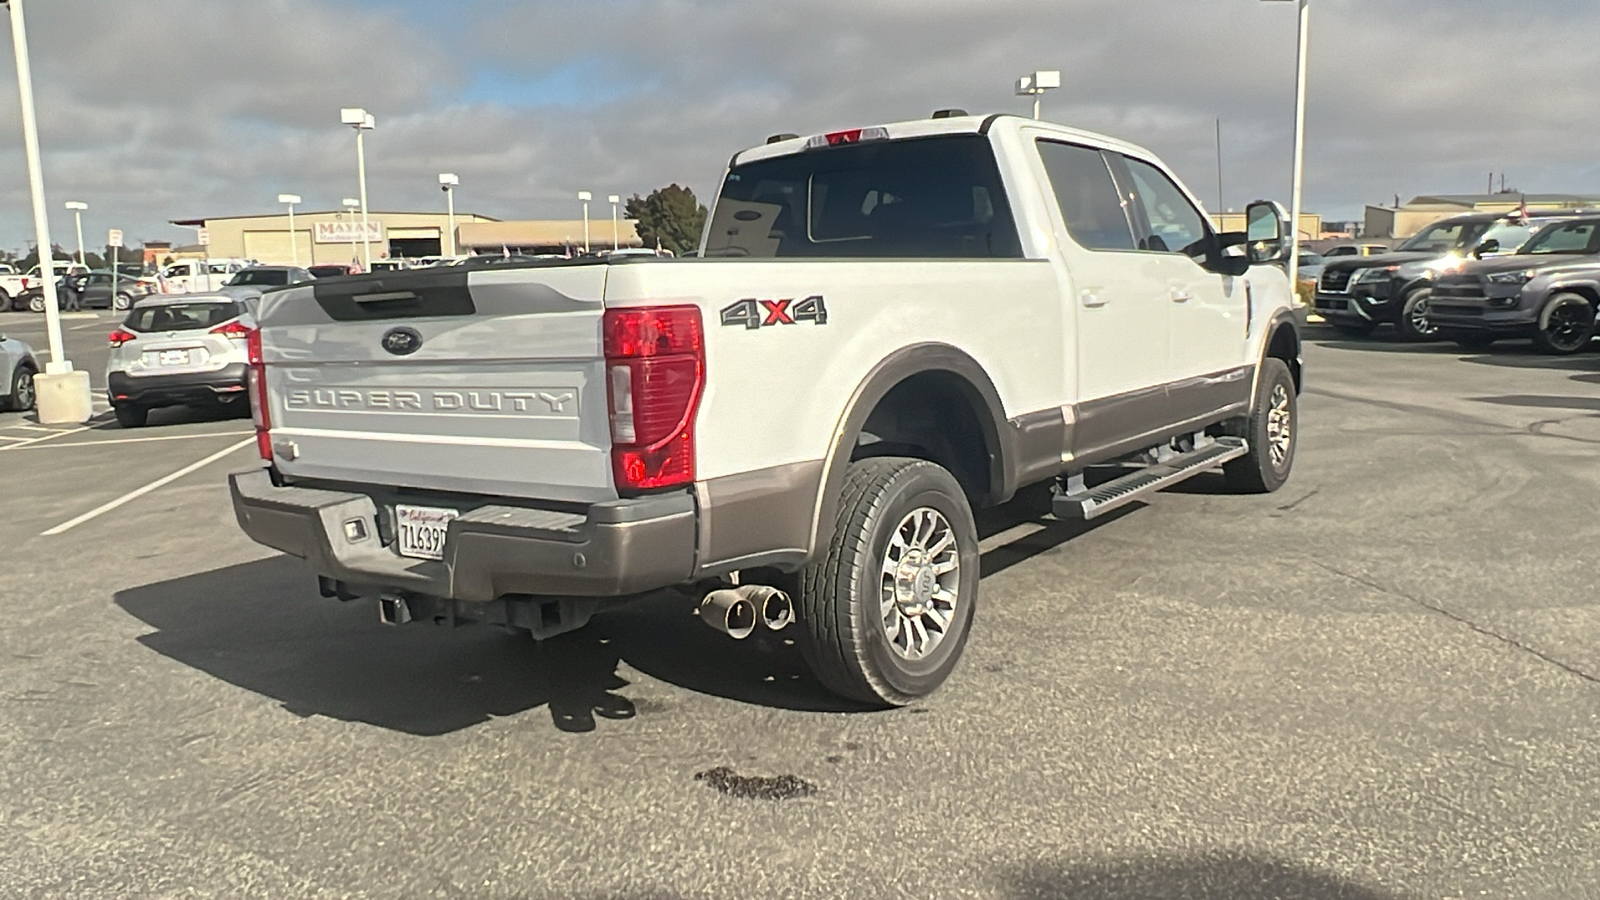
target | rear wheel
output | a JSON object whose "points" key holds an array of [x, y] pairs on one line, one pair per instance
{"points": [[1413, 323], [22, 395], [1566, 325], [1271, 430], [122, 301], [130, 416], [888, 607]]}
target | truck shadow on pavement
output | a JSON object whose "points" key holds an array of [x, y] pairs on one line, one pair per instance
{"points": [[261, 626], [1211, 876]]}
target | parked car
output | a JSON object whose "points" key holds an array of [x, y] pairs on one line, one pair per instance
{"points": [[1547, 291], [1339, 250], [1357, 294], [94, 290], [190, 275], [18, 365], [906, 322], [13, 286], [390, 265], [256, 280], [332, 270], [1311, 265], [179, 350]]}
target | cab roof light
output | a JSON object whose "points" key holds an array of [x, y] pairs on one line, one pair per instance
{"points": [[784, 136], [850, 136], [953, 113]]}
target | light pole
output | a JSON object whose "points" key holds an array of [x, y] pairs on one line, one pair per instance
{"points": [[62, 395], [448, 183], [294, 243], [77, 207], [361, 121], [1299, 142], [351, 204], [585, 196], [1036, 84], [616, 234]]}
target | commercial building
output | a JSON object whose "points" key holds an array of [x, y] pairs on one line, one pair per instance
{"points": [[1405, 220], [332, 236], [1310, 224], [531, 237]]}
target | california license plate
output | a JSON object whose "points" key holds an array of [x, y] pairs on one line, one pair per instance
{"points": [[174, 357], [422, 530]]}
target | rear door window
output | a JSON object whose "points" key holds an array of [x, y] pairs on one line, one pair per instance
{"points": [[919, 198], [1084, 189], [181, 316]]}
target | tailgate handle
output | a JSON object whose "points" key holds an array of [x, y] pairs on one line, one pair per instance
{"points": [[380, 298]]}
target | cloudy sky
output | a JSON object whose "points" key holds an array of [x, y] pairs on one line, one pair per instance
{"points": [[169, 109]]}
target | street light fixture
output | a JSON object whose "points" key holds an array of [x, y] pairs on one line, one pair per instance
{"points": [[585, 196], [351, 204], [62, 395], [447, 183], [616, 235], [294, 244], [1036, 84], [1299, 141], [77, 207], [361, 121]]}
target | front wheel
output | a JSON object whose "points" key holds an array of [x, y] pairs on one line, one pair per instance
{"points": [[1271, 430], [36, 304], [888, 607], [1566, 325], [1413, 323]]}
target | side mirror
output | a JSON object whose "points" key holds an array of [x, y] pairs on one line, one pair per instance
{"points": [[1265, 237], [1486, 248]]}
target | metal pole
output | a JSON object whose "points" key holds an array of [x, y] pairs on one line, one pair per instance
{"points": [[586, 226], [294, 245], [1299, 146], [1037, 94], [77, 215], [111, 302], [58, 364], [1220, 207], [450, 216], [361, 173], [616, 232]]}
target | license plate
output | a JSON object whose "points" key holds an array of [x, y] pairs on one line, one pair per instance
{"points": [[422, 530], [174, 357]]}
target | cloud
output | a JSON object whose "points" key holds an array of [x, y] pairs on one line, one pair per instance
{"points": [[193, 107]]}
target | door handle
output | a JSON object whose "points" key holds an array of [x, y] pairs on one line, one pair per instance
{"points": [[1091, 298], [1181, 295]]}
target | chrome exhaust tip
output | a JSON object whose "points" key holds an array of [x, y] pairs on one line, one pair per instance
{"points": [[773, 606], [729, 612]]}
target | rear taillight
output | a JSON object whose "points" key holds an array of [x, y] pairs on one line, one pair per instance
{"points": [[120, 337], [256, 379], [655, 373], [233, 330]]}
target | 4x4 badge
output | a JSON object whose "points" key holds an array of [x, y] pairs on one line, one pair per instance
{"points": [[753, 314], [402, 341]]}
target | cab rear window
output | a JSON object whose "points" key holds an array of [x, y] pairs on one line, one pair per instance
{"points": [[181, 316], [920, 198]]}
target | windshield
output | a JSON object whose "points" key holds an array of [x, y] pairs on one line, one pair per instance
{"points": [[1443, 237], [181, 316], [1509, 235], [261, 276], [919, 198], [1569, 237]]}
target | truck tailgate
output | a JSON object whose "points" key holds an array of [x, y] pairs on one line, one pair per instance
{"points": [[478, 381]]}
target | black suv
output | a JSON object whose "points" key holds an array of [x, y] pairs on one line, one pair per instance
{"points": [[1357, 294], [1548, 291]]}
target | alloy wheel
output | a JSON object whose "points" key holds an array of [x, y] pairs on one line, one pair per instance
{"points": [[1280, 427], [921, 583]]}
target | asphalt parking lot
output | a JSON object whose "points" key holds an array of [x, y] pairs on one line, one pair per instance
{"points": [[1381, 682]]}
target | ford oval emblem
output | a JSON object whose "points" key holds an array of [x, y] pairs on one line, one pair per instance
{"points": [[402, 341]]}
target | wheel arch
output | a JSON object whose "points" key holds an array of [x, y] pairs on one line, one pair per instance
{"points": [[1283, 342], [985, 466]]}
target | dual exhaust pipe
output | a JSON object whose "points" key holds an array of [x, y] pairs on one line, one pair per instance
{"points": [[737, 611]]}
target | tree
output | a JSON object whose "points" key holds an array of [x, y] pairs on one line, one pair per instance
{"points": [[670, 216]]}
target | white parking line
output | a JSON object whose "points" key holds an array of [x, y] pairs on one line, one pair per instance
{"points": [[43, 437], [141, 440], [140, 492], [86, 327]]}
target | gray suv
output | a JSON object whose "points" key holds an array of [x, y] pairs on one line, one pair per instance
{"points": [[18, 365], [1547, 291], [180, 349]]}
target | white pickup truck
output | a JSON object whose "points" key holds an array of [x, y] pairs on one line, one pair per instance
{"points": [[187, 276], [885, 328]]}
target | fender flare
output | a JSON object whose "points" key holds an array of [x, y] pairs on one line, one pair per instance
{"points": [[1283, 318], [888, 373]]}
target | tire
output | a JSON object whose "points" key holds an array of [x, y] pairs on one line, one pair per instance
{"points": [[1566, 325], [122, 301], [1412, 322], [22, 396], [6, 301], [129, 416], [36, 304], [1354, 329], [891, 505], [1474, 341], [1272, 430]]}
